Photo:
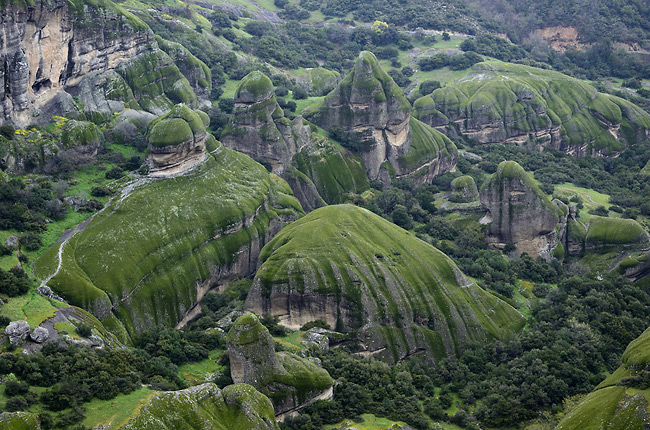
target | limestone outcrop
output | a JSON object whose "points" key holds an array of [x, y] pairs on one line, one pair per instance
{"points": [[290, 381], [394, 294], [95, 51], [519, 212], [258, 127], [502, 102], [370, 107], [177, 140]]}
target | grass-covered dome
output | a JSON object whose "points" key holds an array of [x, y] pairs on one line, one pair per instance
{"points": [[178, 126], [255, 87]]}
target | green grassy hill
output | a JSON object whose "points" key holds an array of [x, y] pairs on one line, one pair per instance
{"points": [[363, 274], [621, 400], [149, 254]]}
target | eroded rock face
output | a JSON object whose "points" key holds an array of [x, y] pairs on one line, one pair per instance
{"points": [[289, 380], [54, 51], [17, 331], [258, 127], [502, 102], [519, 212], [464, 189], [369, 106], [176, 141], [361, 274]]}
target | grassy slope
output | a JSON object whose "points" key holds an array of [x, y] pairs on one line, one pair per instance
{"points": [[494, 90], [145, 254], [397, 275], [615, 405]]}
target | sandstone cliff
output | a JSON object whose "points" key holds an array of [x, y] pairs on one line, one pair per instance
{"points": [[69, 56], [519, 212], [370, 105], [364, 275], [501, 102], [289, 380]]}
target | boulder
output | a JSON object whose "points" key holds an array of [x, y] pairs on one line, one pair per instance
{"points": [[39, 335], [12, 241], [316, 340], [17, 331], [518, 212]]}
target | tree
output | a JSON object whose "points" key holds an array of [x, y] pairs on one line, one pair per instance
{"points": [[445, 36]]}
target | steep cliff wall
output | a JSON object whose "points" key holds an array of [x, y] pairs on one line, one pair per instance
{"points": [[64, 56]]}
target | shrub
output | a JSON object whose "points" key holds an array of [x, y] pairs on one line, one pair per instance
{"points": [[16, 404], [316, 323], [84, 329], [31, 241], [115, 173], [299, 93], [100, 191]]}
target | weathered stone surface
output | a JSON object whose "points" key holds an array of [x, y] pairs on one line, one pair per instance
{"points": [[501, 102], [368, 104], [316, 340], [519, 212], [19, 421], [289, 380], [54, 51], [11, 241], [258, 127], [176, 141], [394, 294], [318, 81], [39, 335], [17, 331]]}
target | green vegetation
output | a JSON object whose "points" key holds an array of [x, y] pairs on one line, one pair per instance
{"points": [[613, 231], [372, 258], [164, 249], [116, 412], [178, 126]]}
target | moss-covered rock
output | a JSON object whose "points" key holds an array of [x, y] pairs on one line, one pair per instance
{"points": [[19, 421], [464, 189], [370, 104], [258, 127], [195, 71], [362, 274], [519, 212], [176, 140], [319, 81], [149, 257], [287, 379], [206, 407], [621, 400], [502, 102], [80, 133], [602, 232], [129, 127]]}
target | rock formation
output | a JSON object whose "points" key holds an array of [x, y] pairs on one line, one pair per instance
{"points": [[464, 189], [149, 258], [290, 381], [369, 106], [606, 232], [17, 331], [95, 51], [176, 141], [501, 102], [362, 274], [39, 335], [19, 421], [318, 81], [258, 127], [519, 212], [206, 407]]}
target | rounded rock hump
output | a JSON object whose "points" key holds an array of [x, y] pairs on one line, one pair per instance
{"points": [[464, 189], [177, 140], [178, 126], [362, 274], [254, 88]]}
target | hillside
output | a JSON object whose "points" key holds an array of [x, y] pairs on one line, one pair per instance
{"points": [[397, 294]]}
